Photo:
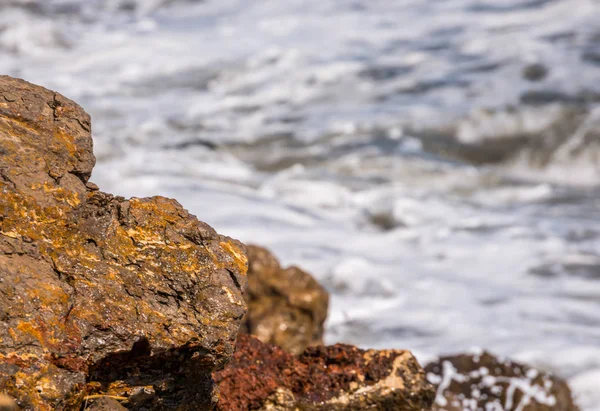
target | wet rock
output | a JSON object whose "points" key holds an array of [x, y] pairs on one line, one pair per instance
{"points": [[97, 290], [286, 307], [582, 98], [592, 56], [506, 135], [474, 382], [338, 377], [535, 72]]}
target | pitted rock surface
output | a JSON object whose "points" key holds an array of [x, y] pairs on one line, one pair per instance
{"points": [[97, 289], [469, 382], [338, 377], [286, 307]]}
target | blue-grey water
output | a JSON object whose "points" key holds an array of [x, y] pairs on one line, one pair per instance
{"points": [[435, 163]]}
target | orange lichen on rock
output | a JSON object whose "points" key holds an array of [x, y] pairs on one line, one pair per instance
{"points": [[96, 288]]}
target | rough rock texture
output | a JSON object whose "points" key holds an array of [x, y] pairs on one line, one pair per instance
{"points": [[100, 294], [103, 404], [338, 377], [484, 382], [286, 307]]}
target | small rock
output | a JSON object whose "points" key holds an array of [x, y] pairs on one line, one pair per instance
{"points": [[92, 186], [104, 404], [535, 72], [141, 395], [7, 403], [286, 307], [473, 382]]}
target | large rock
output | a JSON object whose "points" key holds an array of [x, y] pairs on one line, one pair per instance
{"points": [[286, 307], [99, 294], [485, 382], [334, 378]]}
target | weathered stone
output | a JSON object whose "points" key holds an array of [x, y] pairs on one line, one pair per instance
{"points": [[286, 307], [96, 289], [337, 377], [104, 404], [485, 382], [535, 72]]}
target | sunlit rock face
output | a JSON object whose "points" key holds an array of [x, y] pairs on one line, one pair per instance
{"points": [[99, 293], [483, 381]]}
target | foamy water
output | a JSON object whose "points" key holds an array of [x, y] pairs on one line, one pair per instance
{"points": [[434, 163]]}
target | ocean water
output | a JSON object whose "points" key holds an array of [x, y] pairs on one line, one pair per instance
{"points": [[436, 164]]}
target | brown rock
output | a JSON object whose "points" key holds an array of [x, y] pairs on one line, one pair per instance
{"points": [[286, 307], [96, 289], [103, 404], [338, 377], [7, 403], [482, 382]]}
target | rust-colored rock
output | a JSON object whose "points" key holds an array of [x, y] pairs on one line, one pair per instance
{"points": [[338, 377], [286, 307], [482, 382], [96, 290]]}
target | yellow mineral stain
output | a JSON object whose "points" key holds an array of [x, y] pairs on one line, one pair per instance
{"points": [[18, 123], [239, 256], [22, 357], [68, 141], [230, 295], [145, 237], [27, 327]]}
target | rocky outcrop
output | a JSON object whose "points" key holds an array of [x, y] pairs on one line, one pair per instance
{"points": [[109, 303], [286, 307], [337, 377], [474, 382], [99, 294]]}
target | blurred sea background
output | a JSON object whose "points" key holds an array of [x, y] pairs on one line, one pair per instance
{"points": [[435, 163]]}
